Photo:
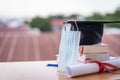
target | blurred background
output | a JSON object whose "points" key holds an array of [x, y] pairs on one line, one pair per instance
{"points": [[30, 30]]}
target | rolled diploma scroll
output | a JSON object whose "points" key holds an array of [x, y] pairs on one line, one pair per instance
{"points": [[82, 69]]}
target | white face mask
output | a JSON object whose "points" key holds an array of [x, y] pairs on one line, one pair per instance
{"points": [[69, 47]]}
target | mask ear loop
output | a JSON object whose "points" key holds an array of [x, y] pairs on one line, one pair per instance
{"points": [[65, 22], [76, 25]]}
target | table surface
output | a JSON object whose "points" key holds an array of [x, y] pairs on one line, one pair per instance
{"points": [[37, 70]]}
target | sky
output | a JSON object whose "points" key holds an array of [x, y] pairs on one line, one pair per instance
{"points": [[30, 8]]}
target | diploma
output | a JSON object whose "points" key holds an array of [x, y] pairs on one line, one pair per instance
{"points": [[82, 68]]}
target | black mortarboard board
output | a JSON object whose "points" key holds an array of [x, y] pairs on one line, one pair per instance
{"points": [[91, 31]]}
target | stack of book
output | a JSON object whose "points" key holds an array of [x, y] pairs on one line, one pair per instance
{"points": [[99, 52]]}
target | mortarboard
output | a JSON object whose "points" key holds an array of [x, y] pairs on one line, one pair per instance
{"points": [[91, 31]]}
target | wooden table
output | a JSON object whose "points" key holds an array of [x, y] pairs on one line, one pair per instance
{"points": [[37, 70]]}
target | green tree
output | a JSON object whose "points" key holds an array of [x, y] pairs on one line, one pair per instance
{"points": [[60, 16], [42, 23], [108, 16], [73, 16], [113, 16], [95, 16], [26, 22]]}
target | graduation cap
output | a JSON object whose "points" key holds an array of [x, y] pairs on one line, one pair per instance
{"points": [[91, 31]]}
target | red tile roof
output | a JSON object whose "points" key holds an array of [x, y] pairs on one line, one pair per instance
{"points": [[17, 46]]}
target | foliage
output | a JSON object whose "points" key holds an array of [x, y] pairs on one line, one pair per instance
{"points": [[74, 16], [108, 16], [60, 16], [95, 16], [26, 22], [42, 23]]}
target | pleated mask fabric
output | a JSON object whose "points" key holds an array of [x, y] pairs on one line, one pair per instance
{"points": [[69, 48]]}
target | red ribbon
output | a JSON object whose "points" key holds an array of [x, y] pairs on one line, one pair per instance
{"points": [[82, 50], [103, 65]]}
